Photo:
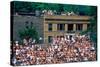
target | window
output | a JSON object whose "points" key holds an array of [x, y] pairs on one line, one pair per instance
{"points": [[50, 39], [31, 25], [49, 27], [79, 27], [70, 27], [26, 24], [88, 26], [61, 27]]}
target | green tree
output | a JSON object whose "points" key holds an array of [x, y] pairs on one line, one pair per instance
{"points": [[29, 33], [92, 30]]}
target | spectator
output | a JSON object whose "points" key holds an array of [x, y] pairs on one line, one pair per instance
{"points": [[61, 50]]}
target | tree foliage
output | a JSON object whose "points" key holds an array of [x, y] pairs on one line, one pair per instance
{"points": [[29, 33], [19, 6]]}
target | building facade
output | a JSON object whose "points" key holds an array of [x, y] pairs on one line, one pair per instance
{"points": [[21, 22], [60, 25], [49, 26]]}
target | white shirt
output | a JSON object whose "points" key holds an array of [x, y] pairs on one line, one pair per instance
{"points": [[56, 46]]}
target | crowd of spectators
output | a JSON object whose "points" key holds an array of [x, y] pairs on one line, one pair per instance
{"points": [[62, 50], [54, 12]]}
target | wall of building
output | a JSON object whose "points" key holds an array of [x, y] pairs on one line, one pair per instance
{"points": [[84, 20], [41, 25], [19, 23]]}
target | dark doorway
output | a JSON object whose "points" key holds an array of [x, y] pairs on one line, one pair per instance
{"points": [[70, 27]]}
